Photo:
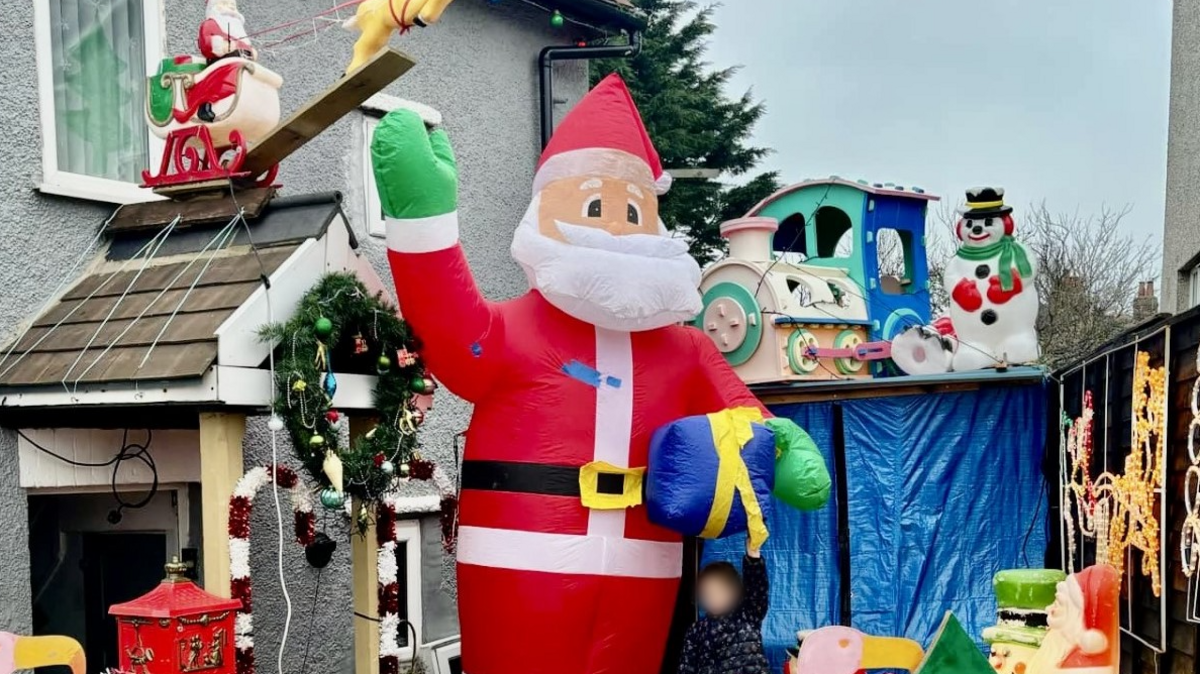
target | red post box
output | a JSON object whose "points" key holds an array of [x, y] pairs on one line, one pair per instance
{"points": [[176, 628]]}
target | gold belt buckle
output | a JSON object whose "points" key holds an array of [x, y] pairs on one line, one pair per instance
{"points": [[599, 488]]}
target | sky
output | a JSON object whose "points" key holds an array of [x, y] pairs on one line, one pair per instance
{"points": [[1057, 100]]}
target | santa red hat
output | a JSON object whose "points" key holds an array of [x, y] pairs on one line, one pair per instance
{"points": [[1099, 589], [602, 135]]}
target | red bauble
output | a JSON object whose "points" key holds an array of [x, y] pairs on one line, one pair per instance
{"points": [[332, 416], [379, 459]]}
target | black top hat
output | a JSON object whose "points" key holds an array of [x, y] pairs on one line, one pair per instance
{"points": [[983, 202]]}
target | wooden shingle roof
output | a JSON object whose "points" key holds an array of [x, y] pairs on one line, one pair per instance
{"points": [[110, 326], [151, 308]]}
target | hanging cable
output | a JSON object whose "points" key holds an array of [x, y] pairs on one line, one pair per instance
{"points": [[129, 451]]}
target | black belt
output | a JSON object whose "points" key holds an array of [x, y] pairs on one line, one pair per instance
{"points": [[533, 478]]}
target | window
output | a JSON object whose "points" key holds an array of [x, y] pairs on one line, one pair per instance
{"points": [[835, 233], [375, 223], [894, 251], [408, 572], [1194, 286], [93, 57]]}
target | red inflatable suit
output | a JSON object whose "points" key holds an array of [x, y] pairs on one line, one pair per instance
{"points": [[569, 382]]}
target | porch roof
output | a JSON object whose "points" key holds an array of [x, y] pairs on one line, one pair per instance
{"points": [[174, 304]]}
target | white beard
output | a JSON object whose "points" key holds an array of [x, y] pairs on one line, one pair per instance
{"points": [[628, 283]]}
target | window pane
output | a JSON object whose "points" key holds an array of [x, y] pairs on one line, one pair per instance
{"points": [[405, 635], [99, 55]]}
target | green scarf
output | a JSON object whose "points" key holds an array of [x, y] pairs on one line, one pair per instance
{"points": [[1011, 253]]}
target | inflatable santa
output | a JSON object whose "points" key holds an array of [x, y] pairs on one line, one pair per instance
{"points": [[569, 382], [993, 298], [1084, 625]]}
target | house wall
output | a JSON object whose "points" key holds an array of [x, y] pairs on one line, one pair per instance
{"points": [[1181, 238], [478, 67]]}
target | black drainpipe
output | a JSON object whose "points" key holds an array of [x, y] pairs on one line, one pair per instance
{"points": [[551, 54]]}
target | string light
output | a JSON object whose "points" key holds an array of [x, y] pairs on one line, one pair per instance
{"points": [[1117, 511]]}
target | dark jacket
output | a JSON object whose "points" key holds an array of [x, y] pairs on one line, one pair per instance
{"points": [[732, 643]]}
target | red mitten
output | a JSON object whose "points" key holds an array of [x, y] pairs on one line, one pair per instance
{"points": [[998, 295], [967, 296]]}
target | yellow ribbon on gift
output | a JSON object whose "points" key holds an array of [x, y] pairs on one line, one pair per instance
{"points": [[731, 430]]}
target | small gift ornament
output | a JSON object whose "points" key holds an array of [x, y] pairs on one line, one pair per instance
{"points": [[405, 358], [360, 345]]}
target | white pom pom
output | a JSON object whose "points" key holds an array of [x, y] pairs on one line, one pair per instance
{"points": [[1093, 642], [663, 184], [275, 423]]}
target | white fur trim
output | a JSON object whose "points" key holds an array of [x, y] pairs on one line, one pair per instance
{"points": [[389, 629], [569, 554], [386, 566], [244, 643], [422, 235], [239, 558], [249, 484], [243, 624], [593, 162], [663, 184]]}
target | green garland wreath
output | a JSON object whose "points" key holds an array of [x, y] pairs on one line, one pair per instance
{"points": [[339, 326]]}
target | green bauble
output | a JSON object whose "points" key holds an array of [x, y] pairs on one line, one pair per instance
{"points": [[557, 20], [317, 440], [383, 365], [331, 499], [324, 327], [422, 386]]}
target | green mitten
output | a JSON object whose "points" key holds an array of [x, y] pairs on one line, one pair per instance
{"points": [[801, 479], [414, 168]]}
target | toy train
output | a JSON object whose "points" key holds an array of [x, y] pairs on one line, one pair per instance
{"points": [[819, 279]]}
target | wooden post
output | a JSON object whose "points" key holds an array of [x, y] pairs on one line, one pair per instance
{"points": [[364, 557], [220, 468]]}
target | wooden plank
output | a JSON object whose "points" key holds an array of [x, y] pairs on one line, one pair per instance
{"points": [[364, 559], [188, 190], [214, 208], [221, 464], [320, 113]]}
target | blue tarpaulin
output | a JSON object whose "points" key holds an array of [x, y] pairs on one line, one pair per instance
{"points": [[943, 491]]}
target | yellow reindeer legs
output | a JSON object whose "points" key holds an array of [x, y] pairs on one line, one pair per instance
{"points": [[376, 19]]}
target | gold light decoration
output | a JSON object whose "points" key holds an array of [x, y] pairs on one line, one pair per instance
{"points": [[1189, 540], [1119, 511]]}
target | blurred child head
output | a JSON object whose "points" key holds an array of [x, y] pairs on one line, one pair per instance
{"points": [[719, 588]]}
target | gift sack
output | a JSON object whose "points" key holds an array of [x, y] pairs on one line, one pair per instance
{"points": [[711, 476]]}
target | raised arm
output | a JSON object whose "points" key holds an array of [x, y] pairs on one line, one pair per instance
{"points": [[755, 588], [461, 333]]}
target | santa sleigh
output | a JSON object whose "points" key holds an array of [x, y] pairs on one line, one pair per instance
{"points": [[209, 115]]}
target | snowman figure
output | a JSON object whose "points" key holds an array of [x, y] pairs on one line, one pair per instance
{"points": [[993, 299]]}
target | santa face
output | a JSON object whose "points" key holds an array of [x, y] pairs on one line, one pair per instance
{"points": [[619, 207], [594, 247], [980, 232], [1065, 615]]}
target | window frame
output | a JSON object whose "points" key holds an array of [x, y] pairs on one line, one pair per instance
{"points": [[373, 110], [408, 532], [82, 186], [375, 223], [1193, 276]]}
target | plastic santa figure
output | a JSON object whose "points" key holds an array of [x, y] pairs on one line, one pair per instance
{"points": [[993, 298], [223, 32], [1084, 625], [576, 373]]}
